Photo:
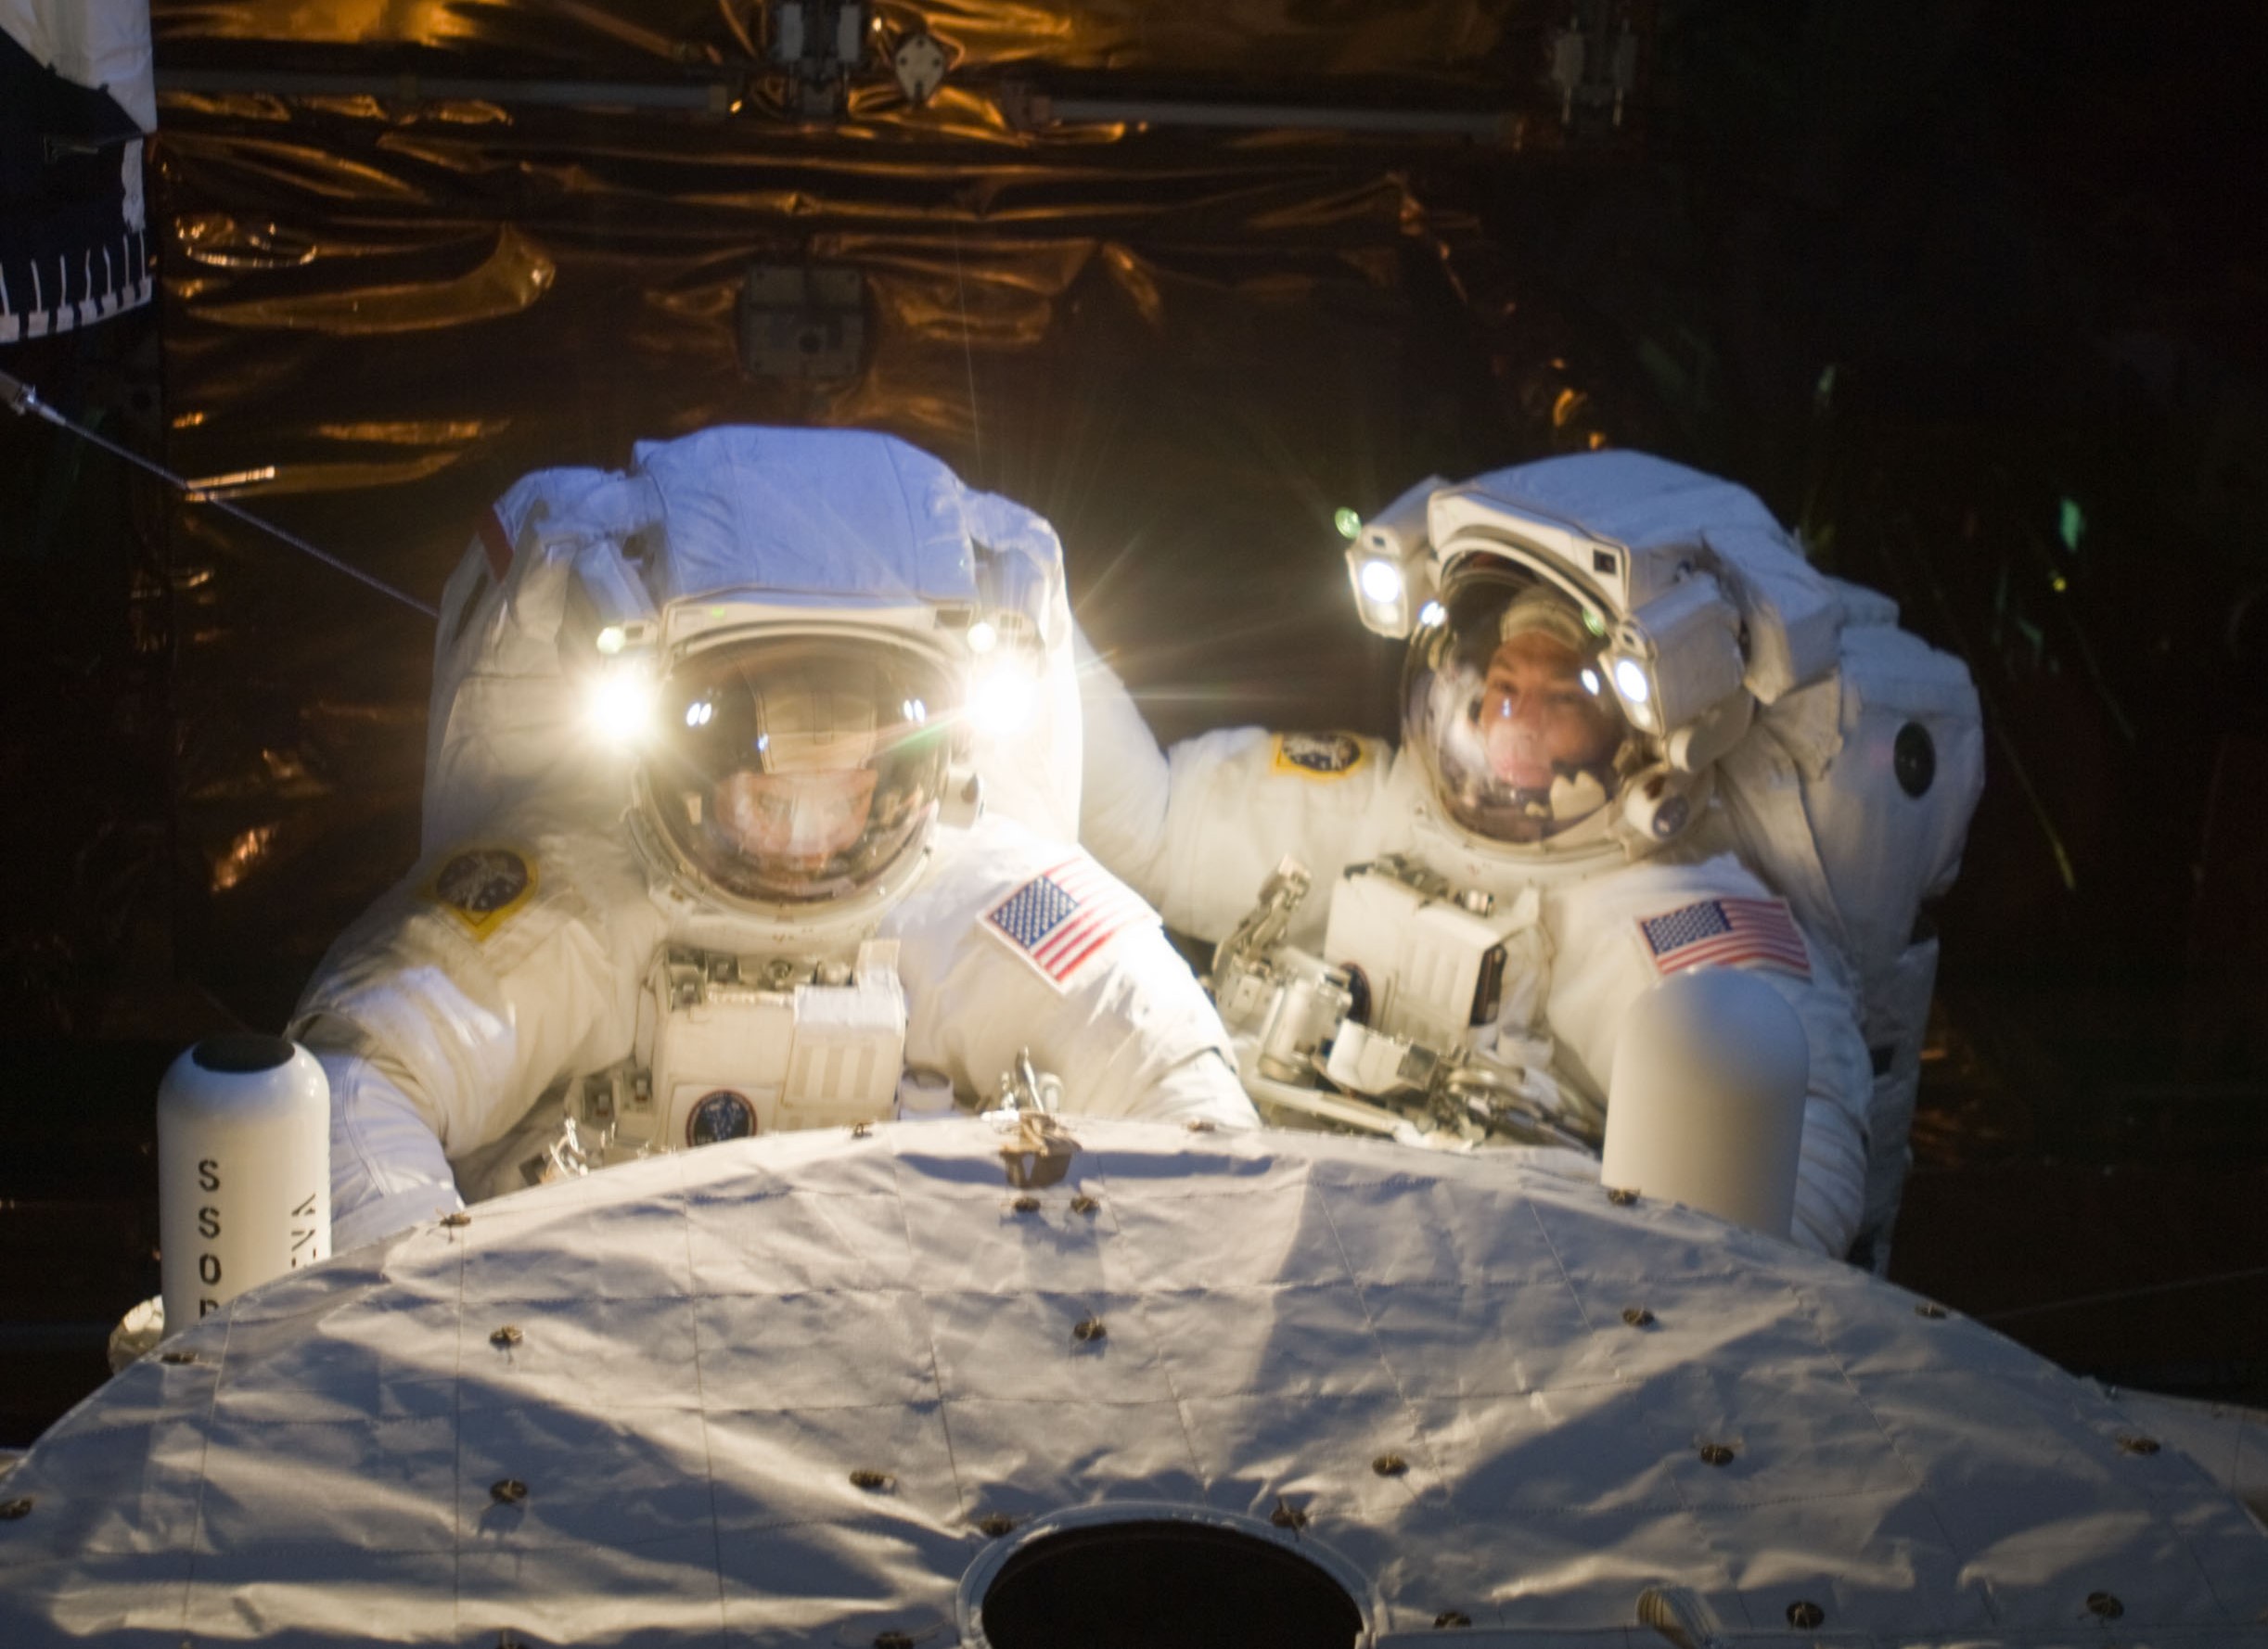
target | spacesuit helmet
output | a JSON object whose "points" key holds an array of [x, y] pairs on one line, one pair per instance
{"points": [[1505, 700], [791, 770]]}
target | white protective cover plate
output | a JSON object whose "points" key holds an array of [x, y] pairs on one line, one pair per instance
{"points": [[710, 1344]]}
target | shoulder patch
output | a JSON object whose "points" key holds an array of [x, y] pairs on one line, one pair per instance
{"points": [[1059, 919], [1317, 755], [1725, 932], [482, 888]]}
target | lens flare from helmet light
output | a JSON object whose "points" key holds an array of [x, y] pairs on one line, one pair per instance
{"points": [[612, 639], [1002, 702], [700, 713], [982, 637], [621, 703], [1382, 582], [1433, 613], [1590, 683], [1631, 682]]}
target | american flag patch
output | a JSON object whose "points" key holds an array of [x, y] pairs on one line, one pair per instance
{"points": [[1726, 932], [1061, 918]]}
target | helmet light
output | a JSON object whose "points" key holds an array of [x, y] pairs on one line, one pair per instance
{"points": [[1677, 658], [620, 706], [1002, 701], [1388, 561], [1381, 582]]}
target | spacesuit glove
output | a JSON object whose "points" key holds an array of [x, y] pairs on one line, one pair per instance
{"points": [[388, 1168]]}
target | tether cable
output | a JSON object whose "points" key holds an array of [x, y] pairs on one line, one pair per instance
{"points": [[23, 400]]}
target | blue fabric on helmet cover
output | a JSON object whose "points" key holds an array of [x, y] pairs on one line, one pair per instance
{"points": [[842, 513]]}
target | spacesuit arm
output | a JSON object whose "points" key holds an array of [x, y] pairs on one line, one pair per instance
{"points": [[1198, 829], [1132, 1034], [388, 1169], [1143, 1040], [1124, 781], [1831, 1169], [1600, 967], [1244, 799], [1115, 1012], [440, 1023]]}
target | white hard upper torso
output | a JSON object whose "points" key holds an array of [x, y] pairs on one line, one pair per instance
{"points": [[476, 1012], [1239, 801]]}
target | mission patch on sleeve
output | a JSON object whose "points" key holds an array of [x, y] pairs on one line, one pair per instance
{"points": [[482, 888], [1317, 755]]}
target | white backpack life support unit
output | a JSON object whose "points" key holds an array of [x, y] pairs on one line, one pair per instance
{"points": [[1851, 795]]}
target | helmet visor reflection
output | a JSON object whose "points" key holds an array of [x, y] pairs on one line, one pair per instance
{"points": [[800, 769], [1506, 704]]}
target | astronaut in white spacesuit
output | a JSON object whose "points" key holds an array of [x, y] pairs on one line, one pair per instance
{"points": [[1584, 795], [802, 918]]}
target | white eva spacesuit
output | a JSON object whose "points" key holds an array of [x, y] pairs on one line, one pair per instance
{"points": [[820, 650], [1641, 735]]}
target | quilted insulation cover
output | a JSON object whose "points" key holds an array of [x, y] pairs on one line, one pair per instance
{"points": [[789, 1391]]}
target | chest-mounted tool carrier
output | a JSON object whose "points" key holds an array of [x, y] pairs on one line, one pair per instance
{"points": [[1399, 1035], [730, 1046]]}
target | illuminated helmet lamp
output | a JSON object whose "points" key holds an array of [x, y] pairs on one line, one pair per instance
{"points": [[1390, 563], [616, 613], [1677, 660], [1003, 691], [1006, 641], [619, 699], [1381, 592], [1008, 665]]}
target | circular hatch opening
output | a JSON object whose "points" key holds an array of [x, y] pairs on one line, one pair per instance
{"points": [[1164, 1583]]}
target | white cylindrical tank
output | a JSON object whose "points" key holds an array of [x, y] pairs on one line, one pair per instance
{"points": [[244, 1180], [1706, 1104]]}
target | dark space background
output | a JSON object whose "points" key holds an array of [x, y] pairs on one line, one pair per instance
{"points": [[1971, 294]]}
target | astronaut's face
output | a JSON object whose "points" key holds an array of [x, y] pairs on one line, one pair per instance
{"points": [[1537, 717], [795, 822]]}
